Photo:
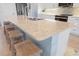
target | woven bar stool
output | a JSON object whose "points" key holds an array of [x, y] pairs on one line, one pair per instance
{"points": [[27, 48], [15, 37], [6, 30]]}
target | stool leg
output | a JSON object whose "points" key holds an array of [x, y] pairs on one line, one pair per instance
{"points": [[13, 50]]}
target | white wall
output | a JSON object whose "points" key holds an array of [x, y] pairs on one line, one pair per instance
{"points": [[48, 5], [7, 9], [42, 6]]}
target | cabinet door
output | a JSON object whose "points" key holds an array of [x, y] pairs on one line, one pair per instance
{"points": [[74, 20], [62, 43], [59, 43]]}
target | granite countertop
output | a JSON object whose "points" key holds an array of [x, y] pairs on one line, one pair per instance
{"points": [[41, 29]]}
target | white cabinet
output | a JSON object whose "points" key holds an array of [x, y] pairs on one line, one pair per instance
{"points": [[74, 20], [62, 42], [59, 43]]}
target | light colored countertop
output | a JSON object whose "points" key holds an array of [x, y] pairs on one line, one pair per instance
{"points": [[40, 29], [58, 11]]}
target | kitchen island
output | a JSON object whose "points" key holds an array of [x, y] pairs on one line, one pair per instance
{"points": [[50, 36]]}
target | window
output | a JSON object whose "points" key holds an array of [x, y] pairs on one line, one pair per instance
{"points": [[65, 4]]}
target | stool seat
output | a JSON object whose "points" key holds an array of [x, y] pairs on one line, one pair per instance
{"points": [[14, 34], [27, 48]]}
